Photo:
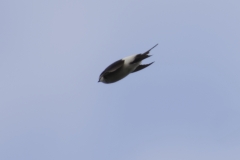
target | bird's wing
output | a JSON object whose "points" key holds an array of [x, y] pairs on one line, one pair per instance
{"points": [[113, 67], [140, 67]]}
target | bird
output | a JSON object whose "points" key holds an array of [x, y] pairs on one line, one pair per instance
{"points": [[123, 67]]}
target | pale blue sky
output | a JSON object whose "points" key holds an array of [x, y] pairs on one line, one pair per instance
{"points": [[185, 106]]}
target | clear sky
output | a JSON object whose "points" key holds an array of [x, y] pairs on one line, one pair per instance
{"points": [[186, 106]]}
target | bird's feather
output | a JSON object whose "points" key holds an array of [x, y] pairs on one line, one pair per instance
{"points": [[147, 52], [140, 67], [113, 67]]}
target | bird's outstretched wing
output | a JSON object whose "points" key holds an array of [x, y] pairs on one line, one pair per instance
{"points": [[113, 67], [140, 67]]}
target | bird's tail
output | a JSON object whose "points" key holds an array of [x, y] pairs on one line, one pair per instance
{"points": [[140, 57], [147, 52]]}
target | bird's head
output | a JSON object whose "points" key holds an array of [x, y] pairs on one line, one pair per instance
{"points": [[101, 79]]}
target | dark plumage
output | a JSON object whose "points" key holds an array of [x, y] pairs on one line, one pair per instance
{"points": [[121, 68]]}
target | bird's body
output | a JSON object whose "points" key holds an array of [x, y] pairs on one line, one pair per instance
{"points": [[123, 67], [126, 69]]}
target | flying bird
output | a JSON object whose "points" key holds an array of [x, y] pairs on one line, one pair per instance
{"points": [[123, 67]]}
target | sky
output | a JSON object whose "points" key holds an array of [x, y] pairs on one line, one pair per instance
{"points": [[185, 106]]}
